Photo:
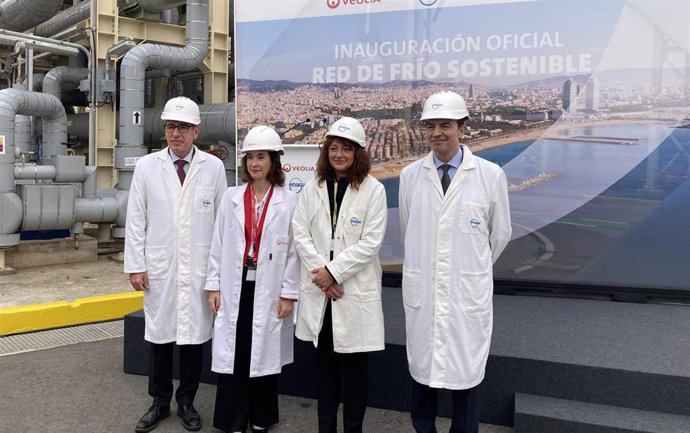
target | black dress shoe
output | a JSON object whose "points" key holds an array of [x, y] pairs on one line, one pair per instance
{"points": [[191, 420], [151, 418]]}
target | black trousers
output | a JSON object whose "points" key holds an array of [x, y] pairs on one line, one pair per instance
{"points": [[161, 372], [240, 399], [424, 402], [340, 371], [244, 400]]}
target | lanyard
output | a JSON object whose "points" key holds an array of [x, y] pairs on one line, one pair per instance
{"points": [[252, 228], [334, 217]]}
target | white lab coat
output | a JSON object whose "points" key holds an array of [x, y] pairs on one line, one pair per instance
{"points": [[451, 243], [168, 235], [276, 276], [358, 315]]}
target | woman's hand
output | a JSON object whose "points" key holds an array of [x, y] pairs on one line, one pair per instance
{"points": [[284, 308], [334, 291], [322, 278], [214, 301]]}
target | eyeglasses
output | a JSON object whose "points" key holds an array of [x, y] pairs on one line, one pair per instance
{"points": [[182, 128]]}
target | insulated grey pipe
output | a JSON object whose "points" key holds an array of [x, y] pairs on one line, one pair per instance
{"points": [[64, 19], [159, 5], [118, 230], [33, 171], [132, 73], [21, 15], [89, 187], [95, 210], [13, 102], [217, 124], [63, 78], [22, 128], [170, 16], [78, 125]]}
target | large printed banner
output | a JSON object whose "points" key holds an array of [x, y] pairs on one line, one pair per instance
{"points": [[583, 103]]}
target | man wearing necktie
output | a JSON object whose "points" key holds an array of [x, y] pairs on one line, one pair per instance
{"points": [[171, 209], [455, 222]]}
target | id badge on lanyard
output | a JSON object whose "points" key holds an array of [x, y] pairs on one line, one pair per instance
{"points": [[251, 270], [334, 217]]}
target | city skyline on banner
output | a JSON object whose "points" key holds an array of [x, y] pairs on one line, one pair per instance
{"points": [[584, 105]]}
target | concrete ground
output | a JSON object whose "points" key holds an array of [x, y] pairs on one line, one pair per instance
{"points": [[63, 282], [82, 387]]}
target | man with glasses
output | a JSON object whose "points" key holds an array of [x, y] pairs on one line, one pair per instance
{"points": [[171, 208]]}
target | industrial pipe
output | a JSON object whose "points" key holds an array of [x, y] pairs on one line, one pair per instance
{"points": [[13, 102], [21, 15], [64, 19], [132, 74]]}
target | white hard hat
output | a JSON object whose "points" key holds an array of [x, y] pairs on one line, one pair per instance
{"points": [[262, 138], [183, 109], [445, 105], [349, 128]]}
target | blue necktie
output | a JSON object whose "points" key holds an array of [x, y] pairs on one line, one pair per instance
{"points": [[445, 179]]}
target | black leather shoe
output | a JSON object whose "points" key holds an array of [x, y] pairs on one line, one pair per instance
{"points": [[151, 418], [191, 420]]}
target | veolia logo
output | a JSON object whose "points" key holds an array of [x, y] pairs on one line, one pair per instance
{"points": [[179, 107], [436, 106], [289, 167], [343, 128], [428, 2], [206, 203], [335, 3]]}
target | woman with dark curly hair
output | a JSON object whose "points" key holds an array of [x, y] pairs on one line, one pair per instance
{"points": [[338, 226]]}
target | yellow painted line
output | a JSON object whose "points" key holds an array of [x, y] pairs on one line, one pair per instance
{"points": [[35, 317]]}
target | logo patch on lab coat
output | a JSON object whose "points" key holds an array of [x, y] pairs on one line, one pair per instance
{"points": [[474, 222], [354, 221]]}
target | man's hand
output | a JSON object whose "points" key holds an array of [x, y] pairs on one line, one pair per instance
{"points": [[284, 308], [214, 301], [139, 280]]}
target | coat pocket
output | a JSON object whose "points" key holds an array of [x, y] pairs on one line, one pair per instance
{"points": [[279, 249], [353, 223], [274, 322], [476, 291], [204, 198], [472, 219], [411, 288], [157, 262]]}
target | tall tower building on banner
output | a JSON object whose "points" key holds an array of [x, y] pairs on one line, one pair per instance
{"points": [[470, 93], [569, 95], [592, 95]]}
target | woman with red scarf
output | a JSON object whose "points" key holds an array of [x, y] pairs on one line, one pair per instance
{"points": [[252, 280]]}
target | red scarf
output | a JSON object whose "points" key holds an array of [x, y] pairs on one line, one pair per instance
{"points": [[252, 229]]}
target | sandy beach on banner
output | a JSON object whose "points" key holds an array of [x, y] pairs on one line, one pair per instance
{"points": [[388, 170]]}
